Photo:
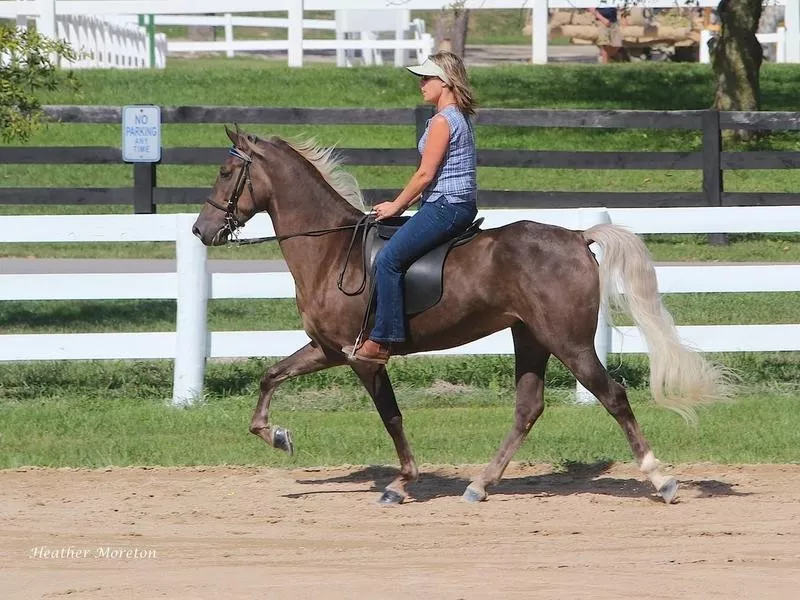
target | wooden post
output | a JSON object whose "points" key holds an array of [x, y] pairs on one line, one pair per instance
{"points": [[422, 113], [144, 182], [539, 32], [295, 34], [712, 168], [191, 323]]}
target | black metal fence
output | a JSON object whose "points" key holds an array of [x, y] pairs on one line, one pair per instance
{"points": [[145, 195]]}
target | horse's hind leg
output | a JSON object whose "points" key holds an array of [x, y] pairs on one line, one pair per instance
{"points": [[590, 372], [376, 381], [530, 363], [308, 359]]}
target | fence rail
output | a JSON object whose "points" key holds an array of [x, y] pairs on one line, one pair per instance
{"points": [[191, 343], [145, 195]]}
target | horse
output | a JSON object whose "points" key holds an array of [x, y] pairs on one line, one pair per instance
{"points": [[541, 281]]}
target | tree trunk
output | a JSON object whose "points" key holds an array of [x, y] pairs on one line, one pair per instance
{"points": [[737, 55], [451, 30]]}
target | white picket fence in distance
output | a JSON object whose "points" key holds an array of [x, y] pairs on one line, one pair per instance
{"points": [[102, 44], [191, 343]]}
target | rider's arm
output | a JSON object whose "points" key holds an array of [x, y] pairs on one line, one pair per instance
{"points": [[432, 157]]}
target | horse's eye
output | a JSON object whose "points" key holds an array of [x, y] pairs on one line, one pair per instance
{"points": [[224, 174]]}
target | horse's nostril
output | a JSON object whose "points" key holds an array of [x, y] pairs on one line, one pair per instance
{"points": [[196, 231]]}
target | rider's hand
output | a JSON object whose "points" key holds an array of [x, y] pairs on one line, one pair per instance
{"points": [[384, 210]]}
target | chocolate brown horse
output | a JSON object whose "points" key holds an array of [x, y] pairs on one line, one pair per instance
{"points": [[540, 280]]}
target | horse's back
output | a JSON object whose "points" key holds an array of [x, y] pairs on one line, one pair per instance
{"points": [[526, 240]]}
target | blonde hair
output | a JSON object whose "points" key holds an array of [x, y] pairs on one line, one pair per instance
{"points": [[453, 67]]}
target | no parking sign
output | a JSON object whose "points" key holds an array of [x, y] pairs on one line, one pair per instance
{"points": [[141, 133]]}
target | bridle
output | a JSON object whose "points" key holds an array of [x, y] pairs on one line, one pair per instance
{"points": [[232, 224]]}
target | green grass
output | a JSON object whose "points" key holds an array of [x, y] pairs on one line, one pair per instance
{"points": [[248, 81], [67, 316], [148, 380], [76, 432]]}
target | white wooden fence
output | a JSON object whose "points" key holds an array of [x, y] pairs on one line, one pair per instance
{"points": [[778, 38], [101, 44], [191, 343], [295, 44], [104, 45]]}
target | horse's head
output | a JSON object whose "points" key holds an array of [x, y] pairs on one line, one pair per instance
{"points": [[239, 192]]}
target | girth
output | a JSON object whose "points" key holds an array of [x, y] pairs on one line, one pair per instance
{"points": [[422, 285]]}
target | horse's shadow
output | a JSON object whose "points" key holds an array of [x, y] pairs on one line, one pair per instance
{"points": [[575, 478]]}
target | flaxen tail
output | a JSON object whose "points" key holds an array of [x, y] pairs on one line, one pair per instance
{"points": [[680, 378]]}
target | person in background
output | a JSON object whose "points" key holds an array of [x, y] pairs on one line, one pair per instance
{"points": [[609, 39]]}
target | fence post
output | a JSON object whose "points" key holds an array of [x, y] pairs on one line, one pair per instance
{"points": [[295, 34], [705, 51], [191, 323], [792, 24], [151, 40], [229, 35], [712, 167], [587, 217], [46, 23], [539, 32], [144, 182], [422, 113]]}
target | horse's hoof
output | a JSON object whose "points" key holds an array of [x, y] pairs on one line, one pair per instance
{"points": [[473, 495], [669, 490], [282, 440], [390, 497]]}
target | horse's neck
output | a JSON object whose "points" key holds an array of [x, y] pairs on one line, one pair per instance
{"points": [[302, 214], [299, 206], [303, 201]]}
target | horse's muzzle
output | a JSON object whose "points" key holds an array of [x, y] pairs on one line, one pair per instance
{"points": [[215, 238]]}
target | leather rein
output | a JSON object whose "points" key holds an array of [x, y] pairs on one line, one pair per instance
{"points": [[232, 223]]}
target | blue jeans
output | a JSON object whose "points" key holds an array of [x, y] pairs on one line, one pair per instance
{"points": [[433, 224]]}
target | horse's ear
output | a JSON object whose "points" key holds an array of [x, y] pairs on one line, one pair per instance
{"points": [[233, 135]]}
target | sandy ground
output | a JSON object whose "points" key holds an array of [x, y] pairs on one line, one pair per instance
{"points": [[594, 531]]}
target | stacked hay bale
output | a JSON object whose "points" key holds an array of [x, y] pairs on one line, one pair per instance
{"points": [[672, 28]]}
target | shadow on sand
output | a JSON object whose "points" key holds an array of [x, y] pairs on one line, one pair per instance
{"points": [[575, 478]]}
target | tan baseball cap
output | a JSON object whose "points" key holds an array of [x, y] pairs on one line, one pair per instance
{"points": [[429, 69]]}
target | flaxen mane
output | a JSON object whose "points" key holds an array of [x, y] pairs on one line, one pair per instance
{"points": [[329, 164], [327, 161]]}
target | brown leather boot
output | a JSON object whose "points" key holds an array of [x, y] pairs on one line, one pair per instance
{"points": [[369, 351]]}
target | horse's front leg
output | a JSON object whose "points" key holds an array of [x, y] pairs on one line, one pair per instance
{"points": [[308, 359], [376, 381]]}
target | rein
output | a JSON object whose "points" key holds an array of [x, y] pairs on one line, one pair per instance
{"points": [[232, 224], [365, 221]]}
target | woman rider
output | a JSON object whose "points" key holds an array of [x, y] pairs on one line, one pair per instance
{"points": [[444, 184]]}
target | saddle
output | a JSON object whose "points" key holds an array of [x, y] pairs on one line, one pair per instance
{"points": [[422, 285]]}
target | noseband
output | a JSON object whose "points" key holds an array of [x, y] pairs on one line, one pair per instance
{"points": [[232, 224]]}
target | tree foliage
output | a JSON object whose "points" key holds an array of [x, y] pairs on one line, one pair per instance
{"points": [[28, 65]]}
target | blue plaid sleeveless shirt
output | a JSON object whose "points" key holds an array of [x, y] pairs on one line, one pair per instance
{"points": [[455, 179]]}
